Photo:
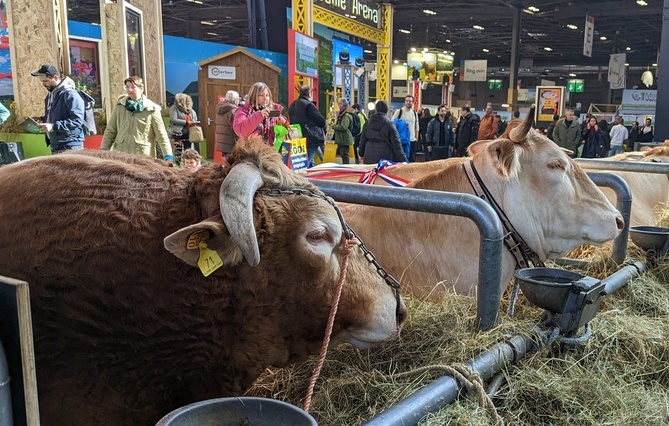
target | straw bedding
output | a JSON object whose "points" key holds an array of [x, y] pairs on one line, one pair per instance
{"points": [[619, 376]]}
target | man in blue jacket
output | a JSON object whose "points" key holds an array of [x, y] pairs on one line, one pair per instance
{"points": [[63, 111]]}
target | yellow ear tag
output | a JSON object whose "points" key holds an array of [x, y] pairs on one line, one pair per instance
{"points": [[209, 260]]}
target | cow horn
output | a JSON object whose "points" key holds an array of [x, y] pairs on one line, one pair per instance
{"points": [[236, 202], [518, 133]]}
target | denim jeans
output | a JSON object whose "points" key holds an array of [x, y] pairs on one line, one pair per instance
{"points": [[615, 149]]}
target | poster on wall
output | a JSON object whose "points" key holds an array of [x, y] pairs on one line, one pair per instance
{"points": [[6, 82], [306, 55], [85, 67], [431, 66], [550, 100]]}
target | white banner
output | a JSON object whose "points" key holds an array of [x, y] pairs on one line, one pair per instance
{"points": [[616, 74], [588, 35], [639, 101], [475, 70], [221, 72]]}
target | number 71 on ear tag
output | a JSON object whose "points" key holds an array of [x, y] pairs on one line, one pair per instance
{"points": [[209, 260]]}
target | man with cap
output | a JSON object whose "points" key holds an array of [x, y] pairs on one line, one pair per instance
{"points": [[63, 111]]}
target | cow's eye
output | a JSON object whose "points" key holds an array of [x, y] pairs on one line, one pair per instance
{"points": [[556, 165], [318, 236]]}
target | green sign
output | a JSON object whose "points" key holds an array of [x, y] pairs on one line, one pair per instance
{"points": [[495, 85], [576, 86]]}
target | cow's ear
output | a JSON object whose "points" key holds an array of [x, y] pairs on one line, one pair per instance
{"points": [[478, 146], [185, 243], [503, 156]]}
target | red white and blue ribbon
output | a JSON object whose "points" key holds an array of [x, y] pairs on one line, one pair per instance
{"points": [[366, 176]]}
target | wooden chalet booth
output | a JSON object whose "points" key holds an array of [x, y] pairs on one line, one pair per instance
{"points": [[235, 70]]}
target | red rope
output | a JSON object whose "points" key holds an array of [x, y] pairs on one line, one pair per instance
{"points": [[348, 246]]}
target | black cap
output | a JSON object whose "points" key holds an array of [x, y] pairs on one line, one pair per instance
{"points": [[46, 69]]}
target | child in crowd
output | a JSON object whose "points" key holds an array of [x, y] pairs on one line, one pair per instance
{"points": [[191, 159]]}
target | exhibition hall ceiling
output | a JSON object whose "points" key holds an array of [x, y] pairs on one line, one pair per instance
{"points": [[551, 35]]}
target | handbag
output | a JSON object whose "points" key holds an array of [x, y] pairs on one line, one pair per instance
{"points": [[314, 135], [195, 134]]}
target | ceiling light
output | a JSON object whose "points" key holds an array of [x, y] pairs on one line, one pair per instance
{"points": [[536, 34], [485, 50], [653, 65], [571, 74], [528, 11], [448, 40], [404, 63], [505, 105], [213, 34], [196, 1], [207, 23], [478, 27], [572, 27], [367, 51], [396, 62], [627, 64], [548, 49], [429, 12], [402, 30], [628, 48], [602, 38], [413, 49], [446, 53], [533, 9], [641, 3]]}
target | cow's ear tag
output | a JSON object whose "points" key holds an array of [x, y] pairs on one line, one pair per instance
{"points": [[209, 260]]}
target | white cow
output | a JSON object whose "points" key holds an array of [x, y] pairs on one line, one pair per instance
{"points": [[548, 198]]}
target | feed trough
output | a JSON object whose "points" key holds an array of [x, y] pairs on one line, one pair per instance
{"points": [[570, 299], [651, 239], [238, 411]]}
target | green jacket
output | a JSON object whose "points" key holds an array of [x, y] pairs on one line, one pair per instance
{"points": [[138, 132], [342, 129], [567, 137]]}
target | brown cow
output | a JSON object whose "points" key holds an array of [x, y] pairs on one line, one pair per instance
{"points": [[548, 198], [127, 328]]}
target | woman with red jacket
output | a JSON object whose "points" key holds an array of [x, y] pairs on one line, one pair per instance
{"points": [[256, 116]]}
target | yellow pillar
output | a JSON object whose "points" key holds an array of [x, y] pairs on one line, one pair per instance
{"points": [[384, 53]]}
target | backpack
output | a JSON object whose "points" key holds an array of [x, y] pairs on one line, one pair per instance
{"points": [[403, 130], [356, 128], [89, 116]]}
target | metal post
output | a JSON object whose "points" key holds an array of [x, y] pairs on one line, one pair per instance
{"points": [[489, 293]]}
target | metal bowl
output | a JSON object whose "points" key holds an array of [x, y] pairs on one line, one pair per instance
{"points": [[547, 288], [649, 237], [238, 411]]}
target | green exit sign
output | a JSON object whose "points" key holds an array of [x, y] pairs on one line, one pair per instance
{"points": [[576, 86], [495, 85]]}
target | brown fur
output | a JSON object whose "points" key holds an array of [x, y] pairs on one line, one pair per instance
{"points": [[125, 331]]}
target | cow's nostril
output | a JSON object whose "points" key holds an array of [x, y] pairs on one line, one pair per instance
{"points": [[620, 223], [401, 313]]}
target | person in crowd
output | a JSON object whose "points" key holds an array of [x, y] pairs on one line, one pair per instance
{"points": [[618, 134], [594, 142], [225, 111], [423, 121], [408, 115], [182, 117], [379, 138], [63, 120], [191, 159], [258, 115], [646, 132], [467, 131], [606, 142], [633, 136], [135, 125], [342, 130], [440, 134], [551, 127], [303, 112], [361, 117], [4, 113], [488, 126], [501, 125], [567, 132]]}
